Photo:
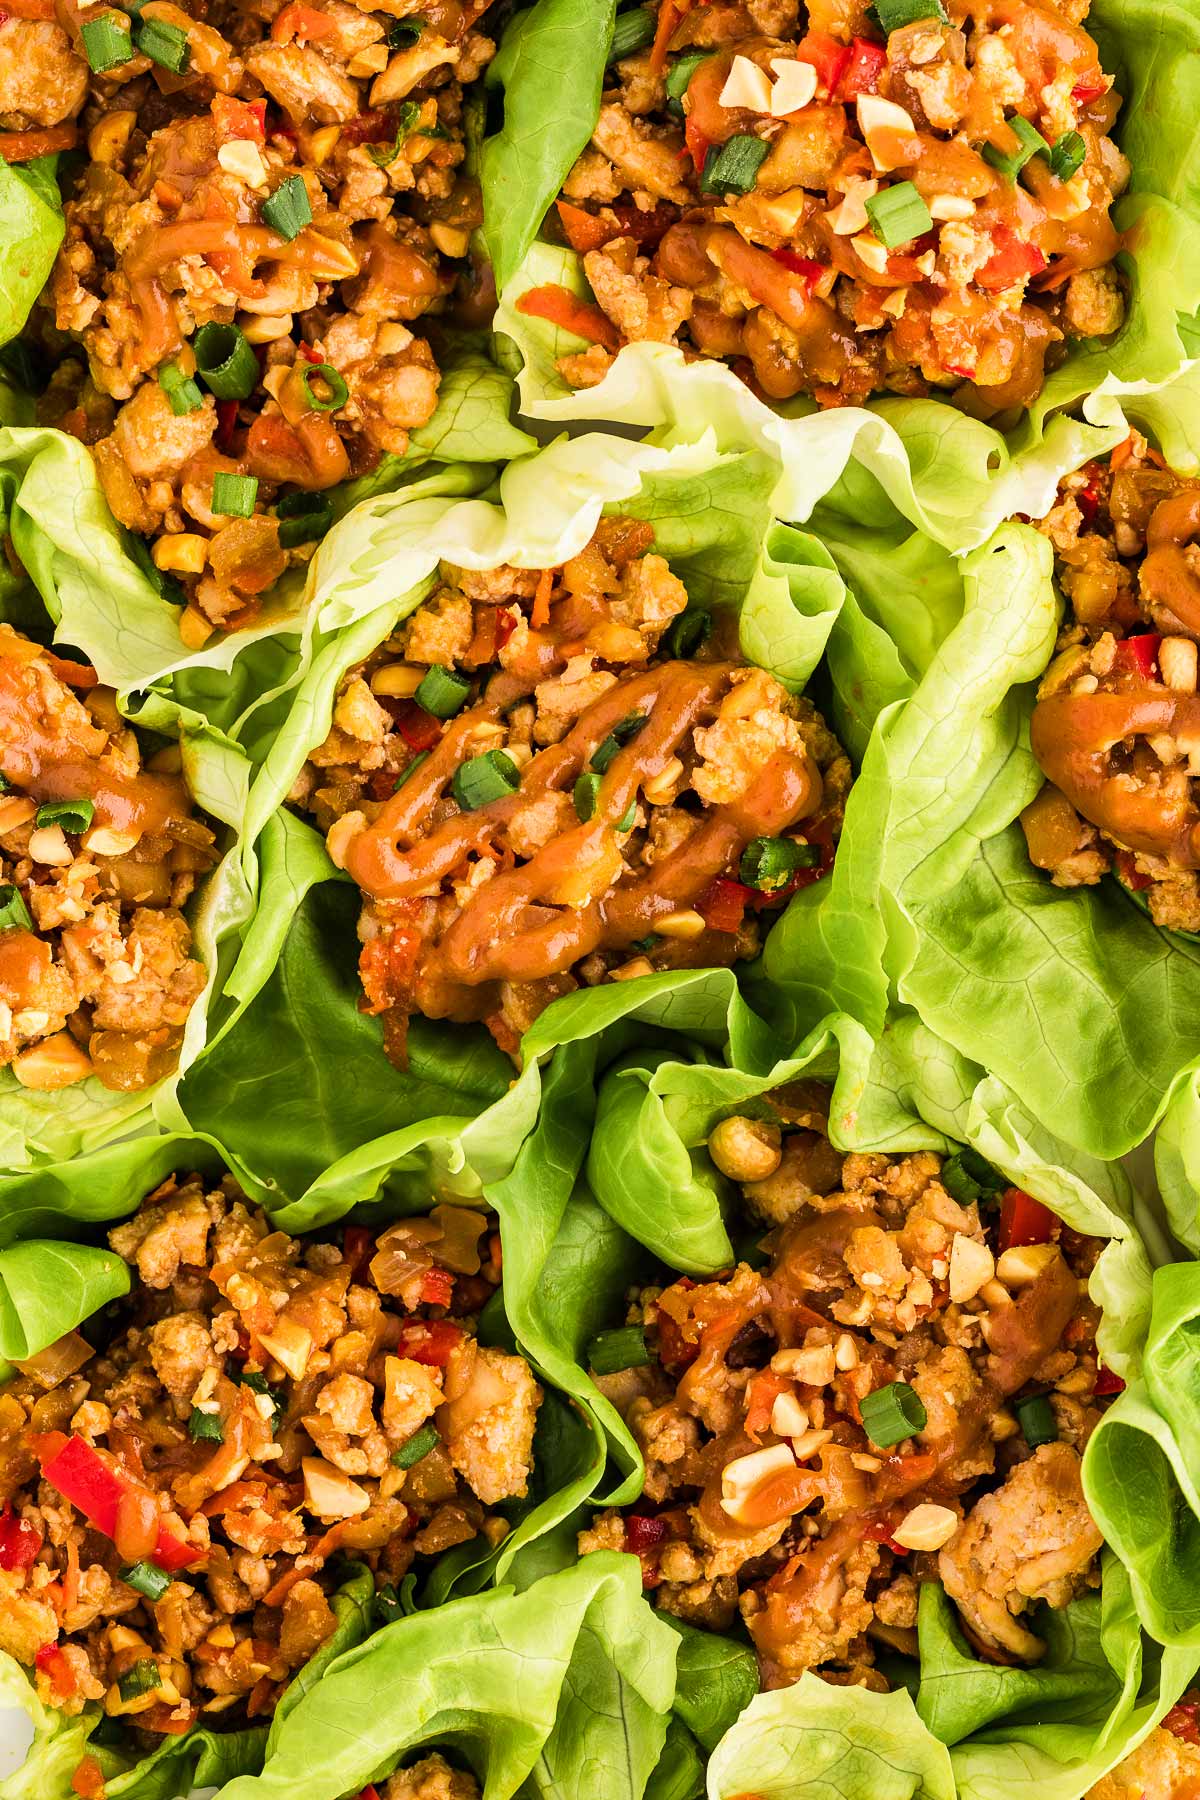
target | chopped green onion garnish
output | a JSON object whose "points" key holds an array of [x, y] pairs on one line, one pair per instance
{"points": [[72, 815], [164, 44], [899, 215], [412, 768], [257, 1382], [225, 362], [770, 863], [14, 914], [733, 169], [338, 395], [625, 822], [233, 496], [967, 1177], [404, 33], [587, 792], [206, 1427], [632, 31], [143, 1678], [892, 1413], [164, 585], [106, 42], [442, 692], [1066, 158], [681, 72], [303, 519], [618, 737], [893, 15], [5, 785], [686, 632], [406, 119], [148, 1579], [645, 944], [485, 778], [1030, 142], [180, 389], [1036, 1419], [287, 211], [611, 1351], [418, 1446]]}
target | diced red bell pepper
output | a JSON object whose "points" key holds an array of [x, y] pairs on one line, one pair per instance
{"points": [[698, 145], [1085, 91], [643, 1532], [19, 1540], [1023, 1220], [369, 1793], [239, 118], [437, 1287], [227, 416], [861, 75], [1129, 874], [419, 729], [1139, 655], [880, 1532], [1108, 1382], [649, 228], [811, 270], [54, 1665], [1182, 1721], [300, 21], [358, 1247], [559, 306], [1012, 261], [827, 56], [88, 1780], [723, 904], [82, 1476], [430, 1341], [506, 623]]}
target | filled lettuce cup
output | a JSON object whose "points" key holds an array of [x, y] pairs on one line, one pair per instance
{"points": [[256, 1449]]}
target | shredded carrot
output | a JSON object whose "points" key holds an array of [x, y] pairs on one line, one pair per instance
{"points": [[74, 674], [1121, 454], [23, 146], [300, 21], [763, 1392], [670, 15], [583, 230], [88, 1780], [29, 9], [558, 306], [540, 614]]}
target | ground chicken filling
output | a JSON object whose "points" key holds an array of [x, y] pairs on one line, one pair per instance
{"points": [[1117, 725], [98, 854], [181, 1480], [843, 208], [900, 1392], [273, 196], [1165, 1767], [549, 777]]}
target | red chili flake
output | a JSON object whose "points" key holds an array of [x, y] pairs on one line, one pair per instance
{"points": [[19, 1540], [643, 1532], [310, 355], [227, 417], [1088, 90], [1108, 1382]]}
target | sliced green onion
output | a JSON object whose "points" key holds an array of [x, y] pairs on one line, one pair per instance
{"points": [[1030, 142], [14, 914], [1066, 158], [303, 518], [899, 215], [892, 1413], [442, 692], [1036, 1419], [164, 44], [417, 1448], [106, 42], [770, 863], [686, 632], [287, 210], [587, 792], [180, 389], [404, 33], [893, 15], [414, 765], [233, 496], [611, 1351], [143, 1678], [967, 1177], [147, 1579], [339, 393], [632, 32], [225, 362], [206, 1427], [618, 737], [406, 119], [733, 168], [681, 72], [257, 1382], [645, 944], [5, 785], [72, 815], [485, 778], [164, 585], [625, 822]]}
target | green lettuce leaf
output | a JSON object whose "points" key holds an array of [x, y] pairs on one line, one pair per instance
{"points": [[31, 229], [48, 1288], [561, 1692]]}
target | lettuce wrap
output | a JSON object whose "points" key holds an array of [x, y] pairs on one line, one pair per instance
{"points": [[560, 47]]}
